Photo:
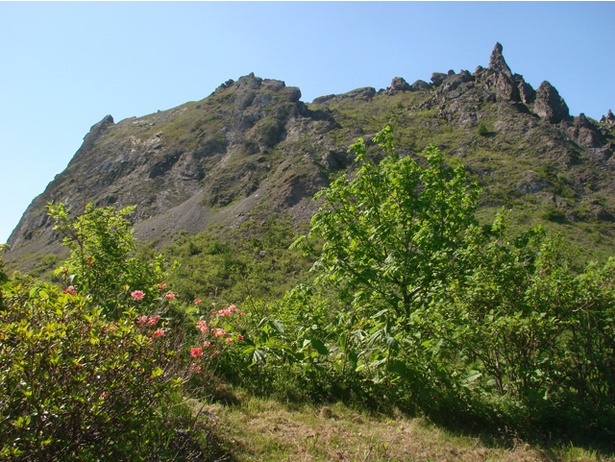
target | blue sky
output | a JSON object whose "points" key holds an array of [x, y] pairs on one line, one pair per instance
{"points": [[64, 66]]}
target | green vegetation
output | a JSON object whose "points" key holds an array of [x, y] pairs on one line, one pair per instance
{"points": [[422, 326]]}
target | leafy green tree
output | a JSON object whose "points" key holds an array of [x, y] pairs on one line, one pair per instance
{"points": [[463, 318], [392, 230]]}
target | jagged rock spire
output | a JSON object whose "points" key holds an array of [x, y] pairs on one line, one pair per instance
{"points": [[497, 63]]}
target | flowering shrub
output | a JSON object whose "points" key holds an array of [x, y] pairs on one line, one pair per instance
{"points": [[76, 386], [94, 370]]}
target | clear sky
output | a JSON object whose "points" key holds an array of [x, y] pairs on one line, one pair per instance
{"points": [[64, 66]]}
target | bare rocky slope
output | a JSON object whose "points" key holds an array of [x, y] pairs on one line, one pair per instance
{"points": [[252, 148]]}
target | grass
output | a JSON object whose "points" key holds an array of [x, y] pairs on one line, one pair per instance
{"points": [[259, 429]]}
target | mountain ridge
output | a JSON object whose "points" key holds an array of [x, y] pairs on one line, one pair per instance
{"points": [[252, 148]]}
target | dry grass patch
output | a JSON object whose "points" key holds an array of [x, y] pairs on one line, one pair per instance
{"points": [[262, 430]]}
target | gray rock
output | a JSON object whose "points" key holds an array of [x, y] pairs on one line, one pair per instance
{"points": [[399, 84], [420, 85], [585, 133], [497, 63], [437, 78], [526, 92], [499, 77], [550, 105]]}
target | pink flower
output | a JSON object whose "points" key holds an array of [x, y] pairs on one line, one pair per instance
{"points": [[239, 337], [202, 326], [70, 290], [171, 296], [137, 294], [159, 333], [229, 339], [152, 321], [196, 368], [206, 344], [162, 286], [227, 311], [142, 319], [196, 352], [198, 301], [219, 332]]}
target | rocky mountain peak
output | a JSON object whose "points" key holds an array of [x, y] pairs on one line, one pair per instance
{"points": [[609, 118], [95, 133], [497, 63], [252, 147]]}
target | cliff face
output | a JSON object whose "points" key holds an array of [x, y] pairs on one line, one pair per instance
{"points": [[252, 147]]}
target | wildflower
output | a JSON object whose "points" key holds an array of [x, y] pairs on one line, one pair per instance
{"points": [[142, 319], [137, 294], [171, 296], [198, 301], [196, 368], [219, 332], [202, 326], [239, 337], [196, 352], [70, 290], [159, 333], [227, 311], [152, 321], [206, 343], [162, 285], [229, 339]]}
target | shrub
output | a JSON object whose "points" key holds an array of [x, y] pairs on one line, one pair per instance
{"points": [[482, 129], [94, 370], [78, 386]]}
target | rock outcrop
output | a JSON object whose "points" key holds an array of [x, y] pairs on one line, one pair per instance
{"points": [[550, 105], [399, 84]]}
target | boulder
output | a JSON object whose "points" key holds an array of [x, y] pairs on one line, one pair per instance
{"points": [[437, 78], [399, 84], [420, 85]]}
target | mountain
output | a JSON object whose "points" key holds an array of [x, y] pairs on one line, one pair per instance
{"points": [[253, 148]]}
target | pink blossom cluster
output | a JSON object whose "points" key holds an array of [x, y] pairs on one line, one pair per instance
{"points": [[70, 290], [159, 333], [217, 332], [228, 311], [137, 294], [149, 321]]}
